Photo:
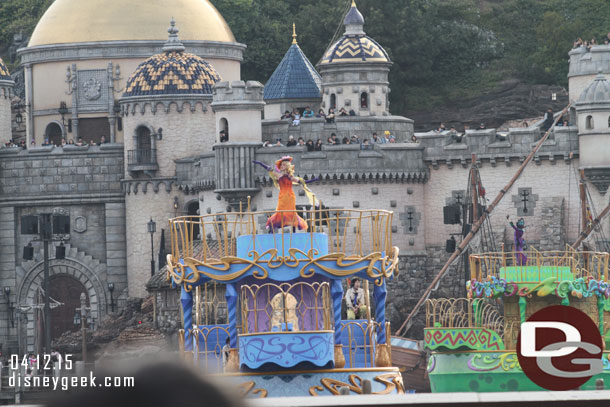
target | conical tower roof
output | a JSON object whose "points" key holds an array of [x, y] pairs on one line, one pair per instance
{"points": [[295, 77]]}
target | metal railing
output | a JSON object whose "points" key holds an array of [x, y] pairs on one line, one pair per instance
{"points": [[286, 307], [142, 156], [561, 264], [354, 233], [359, 353], [471, 313]]}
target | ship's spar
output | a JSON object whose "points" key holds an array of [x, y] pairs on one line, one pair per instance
{"points": [[406, 325]]}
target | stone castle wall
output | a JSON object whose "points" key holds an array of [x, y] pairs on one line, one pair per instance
{"points": [[188, 128], [345, 126], [147, 200], [83, 182]]}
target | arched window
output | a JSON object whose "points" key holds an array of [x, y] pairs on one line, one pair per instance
{"points": [[364, 100], [143, 145], [53, 134], [333, 101], [589, 122], [224, 130]]}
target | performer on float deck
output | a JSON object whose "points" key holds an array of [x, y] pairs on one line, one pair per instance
{"points": [[519, 240], [283, 178]]}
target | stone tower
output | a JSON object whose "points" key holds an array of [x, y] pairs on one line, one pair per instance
{"points": [[355, 71], [593, 113], [167, 117], [237, 106], [6, 94]]}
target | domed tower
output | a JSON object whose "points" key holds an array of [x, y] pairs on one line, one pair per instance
{"points": [[593, 110], [355, 71], [167, 116], [81, 53], [295, 83], [6, 94], [166, 109]]}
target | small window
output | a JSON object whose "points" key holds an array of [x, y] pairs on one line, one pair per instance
{"points": [[223, 137], [609, 121], [364, 100], [333, 101], [589, 122]]}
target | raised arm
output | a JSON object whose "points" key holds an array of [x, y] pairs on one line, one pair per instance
{"points": [[299, 180], [265, 166]]}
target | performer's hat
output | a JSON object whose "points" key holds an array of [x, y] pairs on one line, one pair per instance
{"points": [[279, 162]]}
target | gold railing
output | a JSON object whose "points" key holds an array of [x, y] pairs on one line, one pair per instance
{"points": [[210, 304], [351, 232], [270, 307], [464, 313], [366, 348], [208, 348], [548, 263]]}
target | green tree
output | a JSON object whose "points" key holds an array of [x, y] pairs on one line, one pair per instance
{"points": [[19, 16]]}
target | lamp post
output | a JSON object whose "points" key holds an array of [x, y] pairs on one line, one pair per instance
{"points": [[46, 235], [111, 289], [63, 111], [7, 291], [47, 226], [81, 318], [152, 228]]}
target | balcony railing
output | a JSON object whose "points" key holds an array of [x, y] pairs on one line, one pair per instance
{"points": [[142, 160], [355, 233], [459, 315], [563, 265]]}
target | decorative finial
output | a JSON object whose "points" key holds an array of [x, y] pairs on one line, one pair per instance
{"points": [[173, 43], [353, 3], [294, 34]]}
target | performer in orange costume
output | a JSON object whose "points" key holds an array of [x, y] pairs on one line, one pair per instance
{"points": [[283, 178]]}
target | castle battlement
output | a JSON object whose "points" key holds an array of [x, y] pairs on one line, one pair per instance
{"points": [[55, 173], [585, 65], [237, 92], [493, 145]]}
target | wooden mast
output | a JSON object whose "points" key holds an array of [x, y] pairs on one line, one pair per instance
{"points": [[587, 231], [583, 201], [476, 226], [473, 185]]}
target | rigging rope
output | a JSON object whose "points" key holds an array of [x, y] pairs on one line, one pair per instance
{"points": [[337, 33]]}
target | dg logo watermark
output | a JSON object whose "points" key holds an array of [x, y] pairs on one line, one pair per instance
{"points": [[560, 348]]}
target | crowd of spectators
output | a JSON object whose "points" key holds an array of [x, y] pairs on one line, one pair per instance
{"points": [[364, 144], [579, 42], [295, 116], [63, 142]]}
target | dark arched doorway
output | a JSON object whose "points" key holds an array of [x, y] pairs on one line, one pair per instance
{"points": [[67, 290], [53, 134]]}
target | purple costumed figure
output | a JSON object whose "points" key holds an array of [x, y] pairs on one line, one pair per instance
{"points": [[519, 241]]}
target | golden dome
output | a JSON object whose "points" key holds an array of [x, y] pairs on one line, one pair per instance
{"points": [[75, 21]]}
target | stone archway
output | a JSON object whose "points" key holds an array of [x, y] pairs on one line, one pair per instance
{"points": [[68, 268], [67, 290], [54, 133]]}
